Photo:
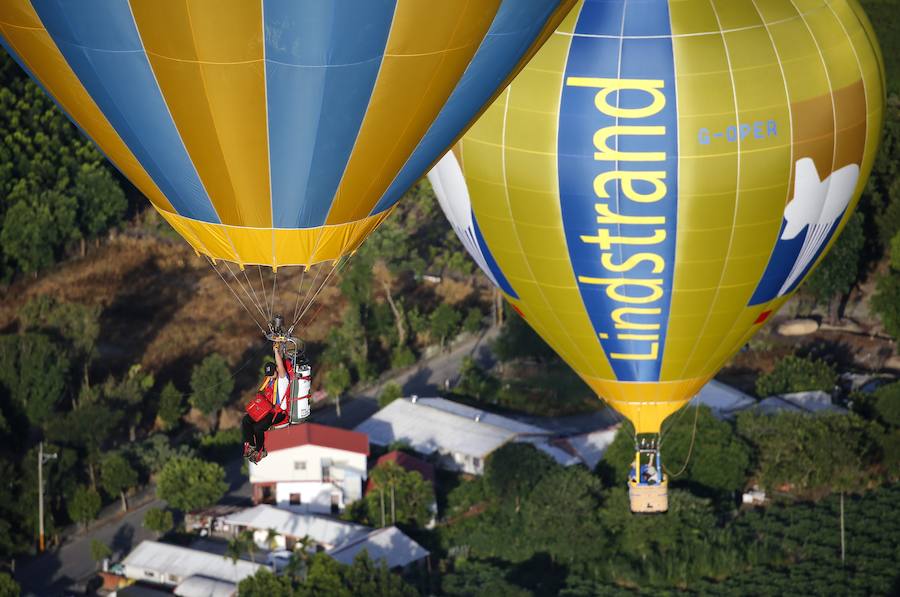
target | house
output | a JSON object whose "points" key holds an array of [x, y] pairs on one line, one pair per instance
{"points": [[460, 437], [311, 468], [813, 402], [203, 586], [172, 565], [408, 463], [590, 447], [291, 527], [723, 400], [388, 544]]}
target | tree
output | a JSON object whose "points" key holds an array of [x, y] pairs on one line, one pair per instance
{"points": [[444, 321], [27, 236], [84, 505], [472, 322], [117, 476], [87, 428], [8, 587], [265, 584], [887, 403], [796, 374], [397, 496], [475, 578], [33, 371], [390, 392], [839, 270], [99, 550], [159, 520], [476, 382], [130, 392], [517, 340], [191, 484], [211, 387], [101, 201], [512, 471], [337, 380], [886, 302], [240, 544], [171, 406]]}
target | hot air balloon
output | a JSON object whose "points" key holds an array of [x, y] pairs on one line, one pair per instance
{"points": [[658, 181], [279, 132]]}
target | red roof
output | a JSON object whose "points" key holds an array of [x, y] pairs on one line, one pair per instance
{"points": [[317, 435], [407, 462]]}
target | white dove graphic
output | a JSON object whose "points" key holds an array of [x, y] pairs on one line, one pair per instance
{"points": [[817, 204]]}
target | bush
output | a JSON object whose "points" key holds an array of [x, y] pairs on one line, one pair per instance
{"points": [[221, 444], [171, 406], [99, 550], [159, 520], [389, 393], [8, 587], [795, 374], [887, 403], [886, 302], [402, 357]]}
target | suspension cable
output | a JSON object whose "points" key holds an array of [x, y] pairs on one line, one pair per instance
{"points": [[299, 292], [262, 286], [274, 289], [224, 281], [337, 267], [690, 448], [251, 299]]}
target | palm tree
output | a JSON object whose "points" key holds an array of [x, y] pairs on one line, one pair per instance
{"points": [[241, 543], [298, 565]]}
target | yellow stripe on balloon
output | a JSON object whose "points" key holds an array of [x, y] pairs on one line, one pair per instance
{"points": [[647, 405], [255, 246], [423, 62], [208, 61], [25, 33]]}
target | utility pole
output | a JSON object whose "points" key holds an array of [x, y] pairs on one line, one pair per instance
{"points": [[42, 459]]}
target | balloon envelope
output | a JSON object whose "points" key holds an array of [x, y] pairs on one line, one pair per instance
{"points": [[275, 132], [662, 175]]}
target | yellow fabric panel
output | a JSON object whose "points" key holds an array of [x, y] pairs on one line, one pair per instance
{"points": [[208, 61], [647, 405], [255, 246], [736, 15], [690, 17], [25, 33], [422, 64]]}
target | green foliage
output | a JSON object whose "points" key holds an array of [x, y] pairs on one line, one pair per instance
{"points": [[811, 453], [191, 484], [886, 302], [57, 187], [211, 385], [887, 403], [328, 577], [117, 476], [474, 320], [337, 380], [796, 374], [390, 392], [99, 550], [129, 392], [511, 472], [221, 445], [444, 323], [895, 251], [84, 505], [171, 406], [153, 453], [840, 269], [476, 382], [518, 341], [159, 520], [77, 324], [87, 428], [33, 373], [478, 578], [8, 587], [402, 357], [410, 493]]}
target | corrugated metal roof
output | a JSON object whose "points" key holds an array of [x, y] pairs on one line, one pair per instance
{"points": [[592, 446], [184, 562], [203, 586], [320, 529], [723, 398], [435, 424], [388, 544], [317, 435]]}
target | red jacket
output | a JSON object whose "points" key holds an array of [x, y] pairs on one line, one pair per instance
{"points": [[268, 385]]}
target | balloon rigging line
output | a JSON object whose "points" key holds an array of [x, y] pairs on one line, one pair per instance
{"points": [[254, 299], [299, 293], [304, 302], [338, 266], [274, 289], [224, 281], [321, 305], [690, 448], [262, 286]]}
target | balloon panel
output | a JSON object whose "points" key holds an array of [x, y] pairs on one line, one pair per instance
{"points": [[278, 132], [663, 175]]}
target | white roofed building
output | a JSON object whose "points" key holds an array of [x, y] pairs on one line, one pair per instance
{"points": [[461, 436], [723, 400], [171, 565], [389, 544], [291, 527]]}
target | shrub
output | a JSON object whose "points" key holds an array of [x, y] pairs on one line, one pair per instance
{"points": [[795, 374]]}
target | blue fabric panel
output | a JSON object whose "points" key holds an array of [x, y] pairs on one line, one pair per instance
{"points": [[99, 40], [512, 32], [588, 239], [322, 61]]}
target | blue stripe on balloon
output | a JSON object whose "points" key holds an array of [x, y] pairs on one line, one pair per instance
{"points": [[101, 44], [322, 61], [511, 33], [600, 17], [492, 264], [579, 120]]}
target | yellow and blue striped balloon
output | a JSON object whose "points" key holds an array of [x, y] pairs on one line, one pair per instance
{"points": [[274, 132], [662, 175]]}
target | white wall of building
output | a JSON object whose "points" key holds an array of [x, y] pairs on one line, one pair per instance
{"points": [[306, 463]]}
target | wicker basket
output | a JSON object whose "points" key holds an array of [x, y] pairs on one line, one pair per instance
{"points": [[648, 499]]}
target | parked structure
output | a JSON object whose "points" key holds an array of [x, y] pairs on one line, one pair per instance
{"points": [[388, 544], [172, 565], [459, 437], [291, 527], [311, 468]]}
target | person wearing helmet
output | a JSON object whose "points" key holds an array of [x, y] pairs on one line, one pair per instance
{"points": [[267, 409]]}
